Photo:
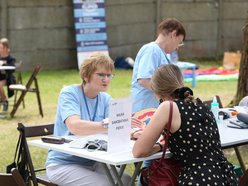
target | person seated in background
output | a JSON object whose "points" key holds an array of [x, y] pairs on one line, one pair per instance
{"points": [[6, 76], [194, 136], [81, 110]]}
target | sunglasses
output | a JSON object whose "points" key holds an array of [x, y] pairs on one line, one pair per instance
{"points": [[96, 145]]}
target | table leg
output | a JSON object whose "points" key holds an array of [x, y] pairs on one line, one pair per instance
{"points": [[193, 78], [241, 162], [136, 172], [122, 169], [117, 176], [105, 166]]}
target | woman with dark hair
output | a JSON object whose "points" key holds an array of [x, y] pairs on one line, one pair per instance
{"points": [[194, 136], [170, 36]]}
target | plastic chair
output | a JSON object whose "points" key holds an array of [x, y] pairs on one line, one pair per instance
{"points": [[18, 70], [24, 89], [238, 154], [35, 131], [13, 179]]}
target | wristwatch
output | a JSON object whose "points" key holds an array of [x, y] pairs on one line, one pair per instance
{"points": [[161, 146]]}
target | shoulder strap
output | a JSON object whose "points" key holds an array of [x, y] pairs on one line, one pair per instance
{"points": [[168, 130], [17, 147]]}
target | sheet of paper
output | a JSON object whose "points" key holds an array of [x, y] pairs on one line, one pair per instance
{"points": [[119, 125]]}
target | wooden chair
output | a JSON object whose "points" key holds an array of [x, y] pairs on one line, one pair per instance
{"points": [[35, 131], [24, 89], [241, 162], [18, 71], [13, 179]]}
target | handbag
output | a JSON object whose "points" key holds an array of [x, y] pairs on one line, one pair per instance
{"points": [[13, 165], [20, 161], [162, 172]]}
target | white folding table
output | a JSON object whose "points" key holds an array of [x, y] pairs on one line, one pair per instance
{"points": [[233, 138], [7, 67], [112, 159], [230, 137]]}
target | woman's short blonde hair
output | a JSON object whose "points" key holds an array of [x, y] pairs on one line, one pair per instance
{"points": [[90, 65]]}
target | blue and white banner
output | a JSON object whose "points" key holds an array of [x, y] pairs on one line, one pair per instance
{"points": [[90, 26]]}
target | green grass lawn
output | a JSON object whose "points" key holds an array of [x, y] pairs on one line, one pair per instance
{"points": [[50, 84]]}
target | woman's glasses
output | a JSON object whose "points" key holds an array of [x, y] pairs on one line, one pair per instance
{"points": [[181, 44], [102, 76]]}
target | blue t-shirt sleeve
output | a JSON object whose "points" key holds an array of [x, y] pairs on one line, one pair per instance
{"points": [[147, 65], [68, 103]]}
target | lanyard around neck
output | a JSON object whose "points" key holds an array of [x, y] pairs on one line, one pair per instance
{"points": [[87, 107], [169, 62]]}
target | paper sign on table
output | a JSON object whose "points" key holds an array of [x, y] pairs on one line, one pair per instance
{"points": [[119, 125]]}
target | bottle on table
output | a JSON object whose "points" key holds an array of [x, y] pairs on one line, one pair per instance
{"points": [[215, 109]]}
